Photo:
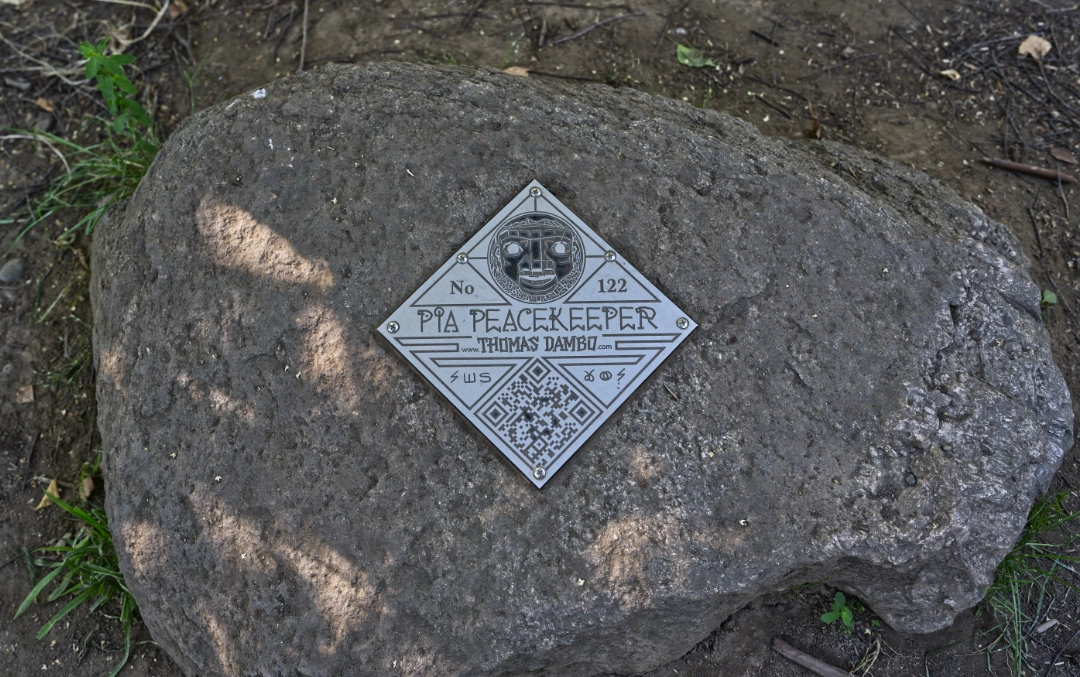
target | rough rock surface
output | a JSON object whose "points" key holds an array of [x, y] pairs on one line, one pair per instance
{"points": [[870, 398]]}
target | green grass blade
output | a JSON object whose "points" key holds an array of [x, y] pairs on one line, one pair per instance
{"points": [[37, 591], [127, 615], [100, 527], [68, 608], [62, 588]]}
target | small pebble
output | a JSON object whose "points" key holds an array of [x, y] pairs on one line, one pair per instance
{"points": [[8, 368], [12, 271], [910, 479]]}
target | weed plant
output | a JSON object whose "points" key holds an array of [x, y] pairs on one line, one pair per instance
{"points": [[98, 175], [840, 611], [1025, 581], [83, 567]]}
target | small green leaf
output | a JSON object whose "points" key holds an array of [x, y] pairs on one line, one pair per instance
{"points": [[93, 64], [830, 617], [123, 84], [105, 84], [847, 617], [839, 601], [140, 114], [692, 56], [122, 59], [120, 123], [1049, 298], [109, 65], [86, 49]]}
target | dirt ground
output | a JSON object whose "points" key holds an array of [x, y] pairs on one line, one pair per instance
{"points": [[937, 86]]}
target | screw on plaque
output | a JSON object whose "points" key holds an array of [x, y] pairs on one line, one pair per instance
{"points": [[609, 255], [682, 323], [392, 327], [539, 472], [462, 258], [535, 192]]}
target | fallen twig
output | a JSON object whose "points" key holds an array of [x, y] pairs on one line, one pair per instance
{"points": [[41, 139], [469, 17], [772, 105], [1058, 654], [29, 458], [766, 37], [838, 64], [130, 3], [46, 67], [563, 77], [303, 43], [775, 86], [667, 22], [598, 24], [1042, 172], [807, 661], [1042, 262], [124, 44], [912, 12]]}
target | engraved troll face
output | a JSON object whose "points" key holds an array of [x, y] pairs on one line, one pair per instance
{"points": [[536, 253]]}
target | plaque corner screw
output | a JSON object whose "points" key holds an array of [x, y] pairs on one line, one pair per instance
{"points": [[682, 323], [535, 192], [539, 472], [392, 327], [609, 255], [463, 258]]}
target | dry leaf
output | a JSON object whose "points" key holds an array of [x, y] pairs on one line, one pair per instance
{"points": [[53, 489], [517, 70], [177, 8], [24, 395], [86, 487], [18, 4], [45, 105], [951, 73], [1063, 154], [1035, 47]]}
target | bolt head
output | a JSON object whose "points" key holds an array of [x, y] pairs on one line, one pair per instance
{"points": [[539, 472], [534, 191], [609, 255], [463, 258], [682, 323], [392, 327]]}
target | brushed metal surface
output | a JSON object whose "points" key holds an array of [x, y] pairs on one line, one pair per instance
{"points": [[537, 331]]}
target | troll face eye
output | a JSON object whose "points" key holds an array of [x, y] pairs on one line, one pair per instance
{"points": [[560, 249], [513, 249]]}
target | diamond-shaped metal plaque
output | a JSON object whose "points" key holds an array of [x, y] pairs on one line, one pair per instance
{"points": [[537, 330]]}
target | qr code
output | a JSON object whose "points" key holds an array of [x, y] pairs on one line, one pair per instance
{"points": [[539, 413]]}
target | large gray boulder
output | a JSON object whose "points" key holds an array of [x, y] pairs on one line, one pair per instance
{"points": [[870, 398]]}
